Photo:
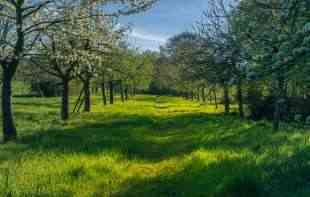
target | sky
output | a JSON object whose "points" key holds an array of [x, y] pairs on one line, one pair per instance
{"points": [[166, 18]]}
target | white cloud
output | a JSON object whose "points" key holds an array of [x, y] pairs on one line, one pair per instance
{"points": [[141, 35], [144, 44], [146, 41]]}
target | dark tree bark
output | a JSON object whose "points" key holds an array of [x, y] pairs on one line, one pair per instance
{"points": [[126, 93], [226, 98], [104, 95], [215, 98], [203, 94], [134, 90], [9, 130], [65, 100], [122, 91], [240, 98], [198, 94], [111, 88], [95, 90], [87, 101], [9, 69]]}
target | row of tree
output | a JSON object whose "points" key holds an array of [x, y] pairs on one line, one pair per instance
{"points": [[65, 41], [256, 50]]}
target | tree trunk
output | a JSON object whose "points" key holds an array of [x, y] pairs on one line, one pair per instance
{"points": [[122, 91], [186, 95], [104, 96], [226, 98], [126, 92], [129, 90], [198, 94], [240, 98], [9, 130], [87, 93], [134, 90], [65, 100], [215, 99], [111, 92], [9, 70], [203, 95]]}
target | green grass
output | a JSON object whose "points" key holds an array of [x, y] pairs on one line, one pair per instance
{"points": [[152, 147]]}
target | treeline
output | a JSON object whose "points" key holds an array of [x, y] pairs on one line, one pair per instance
{"points": [[50, 43], [255, 53]]}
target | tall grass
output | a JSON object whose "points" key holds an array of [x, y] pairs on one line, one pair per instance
{"points": [[150, 147]]}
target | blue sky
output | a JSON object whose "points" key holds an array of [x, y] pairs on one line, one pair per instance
{"points": [[166, 18]]}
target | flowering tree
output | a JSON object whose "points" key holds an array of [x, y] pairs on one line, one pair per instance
{"points": [[62, 51], [22, 22]]}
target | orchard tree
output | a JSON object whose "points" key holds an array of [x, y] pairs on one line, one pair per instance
{"points": [[138, 67], [60, 54], [21, 24], [102, 37], [279, 46], [180, 52], [218, 31]]}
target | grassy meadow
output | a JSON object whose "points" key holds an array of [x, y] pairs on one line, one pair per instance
{"points": [[150, 147]]}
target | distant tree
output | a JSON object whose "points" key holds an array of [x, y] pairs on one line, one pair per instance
{"points": [[218, 32], [178, 54]]}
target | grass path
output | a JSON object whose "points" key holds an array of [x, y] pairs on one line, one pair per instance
{"points": [[152, 147]]}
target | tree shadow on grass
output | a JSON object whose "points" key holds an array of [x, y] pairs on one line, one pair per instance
{"points": [[149, 137], [289, 176], [135, 136], [228, 177], [153, 138], [198, 178]]}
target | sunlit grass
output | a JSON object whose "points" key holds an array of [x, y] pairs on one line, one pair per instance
{"points": [[151, 146]]}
